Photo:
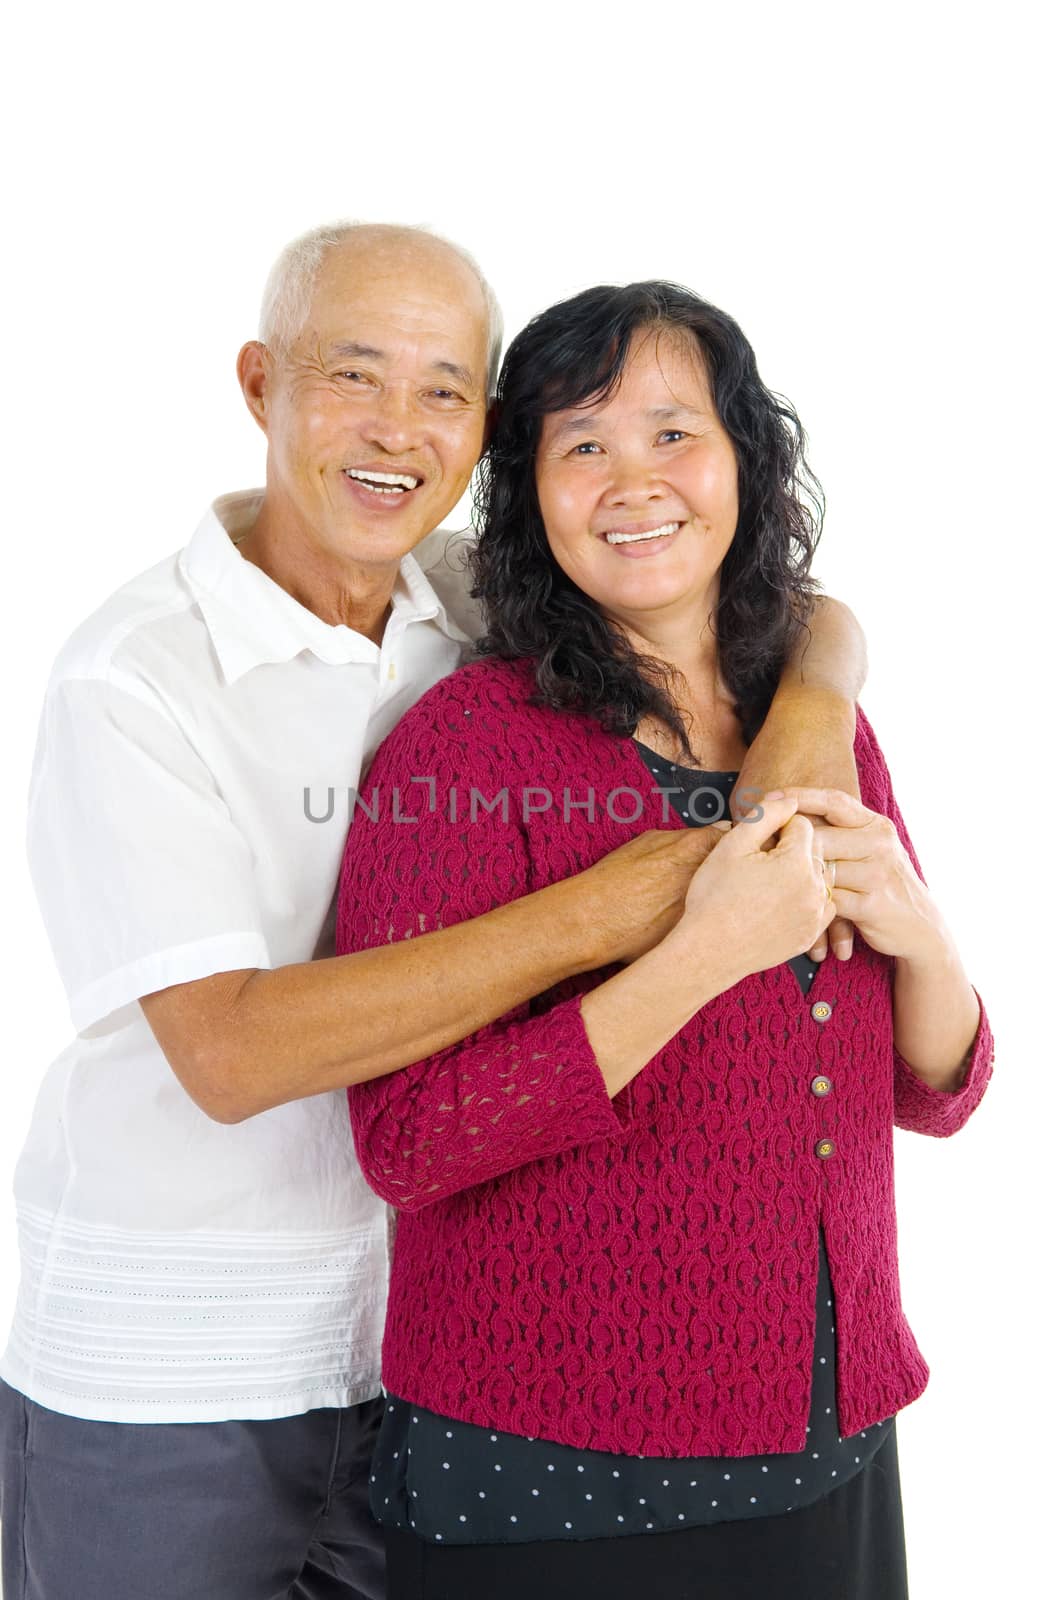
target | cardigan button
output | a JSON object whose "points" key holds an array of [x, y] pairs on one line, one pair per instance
{"points": [[821, 1011], [821, 1086], [824, 1148]]}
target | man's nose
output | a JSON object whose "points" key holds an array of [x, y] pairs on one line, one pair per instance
{"points": [[393, 422]]}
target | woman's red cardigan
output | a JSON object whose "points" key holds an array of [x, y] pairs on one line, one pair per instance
{"points": [[638, 1274]]}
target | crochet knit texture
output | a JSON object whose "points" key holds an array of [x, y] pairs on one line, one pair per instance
{"points": [[634, 1275]]}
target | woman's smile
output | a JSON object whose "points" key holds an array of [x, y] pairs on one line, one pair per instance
{"points": [[640, 541]]}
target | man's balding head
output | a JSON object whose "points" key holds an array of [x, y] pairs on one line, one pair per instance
{"points": [[345, 247]]}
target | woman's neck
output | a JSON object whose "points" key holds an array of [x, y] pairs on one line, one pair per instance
{"points": [[698, 690]]}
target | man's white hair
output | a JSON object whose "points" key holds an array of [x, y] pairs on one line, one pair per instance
{"points": [[289, 289]]}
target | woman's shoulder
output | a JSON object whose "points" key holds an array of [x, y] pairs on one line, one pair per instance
{"points": [[481, 683], [481, 703], [873, 773]]}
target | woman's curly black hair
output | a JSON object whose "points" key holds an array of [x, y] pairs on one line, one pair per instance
{"points": [[576, 352]]}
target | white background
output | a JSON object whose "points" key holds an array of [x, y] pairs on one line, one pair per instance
{"points": [[866, 189]]}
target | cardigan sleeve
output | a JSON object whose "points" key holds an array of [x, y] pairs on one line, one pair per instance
{"points": [[524, 1087], [917, 1105]]}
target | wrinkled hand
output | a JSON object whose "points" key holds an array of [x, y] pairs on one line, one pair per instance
{"points": [[640, 888], [876, 887]]}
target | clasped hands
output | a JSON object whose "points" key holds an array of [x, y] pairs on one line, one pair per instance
{"points": [[869, 881]]}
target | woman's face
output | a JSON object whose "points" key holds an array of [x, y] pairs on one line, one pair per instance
{"points": [[639, 493]]}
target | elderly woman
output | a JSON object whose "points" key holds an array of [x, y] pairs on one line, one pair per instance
{"points": [[645, 1312]]}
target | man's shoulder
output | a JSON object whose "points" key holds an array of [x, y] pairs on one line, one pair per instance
{"points": [[108, 637], [443, 558]]}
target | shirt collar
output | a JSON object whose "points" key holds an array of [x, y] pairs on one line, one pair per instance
{"points": [[252, 620]]}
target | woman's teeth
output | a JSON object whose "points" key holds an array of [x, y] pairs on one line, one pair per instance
{"points": [[635, 538], [382, 482]]}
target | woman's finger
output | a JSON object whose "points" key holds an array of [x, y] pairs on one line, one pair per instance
{"points": [[798, 835], [859, 877], [835, 805], [747, 837], [841, 938], [850, 905], [856, 843]]}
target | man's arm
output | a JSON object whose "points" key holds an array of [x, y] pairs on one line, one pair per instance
{"points": [[149, 892], [810, 729], [834, 657], [243, 1042], [811, 722]]}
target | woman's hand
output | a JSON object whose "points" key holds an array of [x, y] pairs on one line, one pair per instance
{"points": [[875, 884], [760, 905]]}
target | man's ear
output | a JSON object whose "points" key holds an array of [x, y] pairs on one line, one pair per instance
{"points": [[254, 371]]}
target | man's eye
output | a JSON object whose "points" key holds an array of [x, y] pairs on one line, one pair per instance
{"points": [[445, 394], [355, 377]]}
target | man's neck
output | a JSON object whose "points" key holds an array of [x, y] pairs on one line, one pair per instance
{"points": [[339, 592]]}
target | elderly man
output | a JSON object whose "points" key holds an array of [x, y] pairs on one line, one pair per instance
{"points": [[192, 1382]]}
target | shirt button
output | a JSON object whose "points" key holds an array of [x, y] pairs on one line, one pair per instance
{"points": [[821, 1085], [821, 1011], [391, 671], [824, 1148]]}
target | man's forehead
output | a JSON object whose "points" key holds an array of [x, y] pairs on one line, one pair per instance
{"points": [[362, 311]]}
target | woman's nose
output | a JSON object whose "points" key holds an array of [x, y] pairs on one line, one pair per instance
{"points": [[633, 485]]}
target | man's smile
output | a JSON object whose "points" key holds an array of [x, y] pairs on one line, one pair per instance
{"points": [[379, 488]]}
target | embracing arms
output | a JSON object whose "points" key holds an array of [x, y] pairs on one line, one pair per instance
{"points": [[244, 1041], [544, 1079]]}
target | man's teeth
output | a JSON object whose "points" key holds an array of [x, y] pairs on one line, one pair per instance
{"points": [[382, 482], [635, 538]]}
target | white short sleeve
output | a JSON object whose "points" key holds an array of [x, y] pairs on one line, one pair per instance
{"points": [[143, 878]]}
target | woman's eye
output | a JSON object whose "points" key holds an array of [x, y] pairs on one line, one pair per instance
{"points": [[673, 433], [584, 448]]}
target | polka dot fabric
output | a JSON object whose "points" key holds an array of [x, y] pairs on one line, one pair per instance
{"points": [[450, 1482]]}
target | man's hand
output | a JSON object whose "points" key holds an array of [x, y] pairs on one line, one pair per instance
{"points": [[639, 889]]}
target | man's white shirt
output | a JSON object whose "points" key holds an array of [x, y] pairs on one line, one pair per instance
{"points": [[201, 737]]}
